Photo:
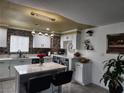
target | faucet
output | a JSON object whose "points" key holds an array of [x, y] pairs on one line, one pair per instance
{"points": [[20, 53]]}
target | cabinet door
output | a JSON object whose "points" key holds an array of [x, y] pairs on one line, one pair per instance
{"points": [[3, 37], [25, 61], [4, 69], [12, 69], [78, 72], [18, 62]]}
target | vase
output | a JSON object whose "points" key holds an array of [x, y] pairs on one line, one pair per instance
{"points": [[41, 60], [119, 89]]}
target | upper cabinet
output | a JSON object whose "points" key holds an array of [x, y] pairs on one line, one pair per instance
{"points": [[3, 37], [70, 40], [41, 41]]}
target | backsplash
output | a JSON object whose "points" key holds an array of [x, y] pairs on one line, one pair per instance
{"points": [[3, 50], [55, 42]]}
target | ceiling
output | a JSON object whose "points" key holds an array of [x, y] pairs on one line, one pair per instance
{"points": [[93, 12], [13, 15]]}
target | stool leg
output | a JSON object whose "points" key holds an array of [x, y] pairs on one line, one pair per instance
{"points": [[52, 88], [59, 89]]}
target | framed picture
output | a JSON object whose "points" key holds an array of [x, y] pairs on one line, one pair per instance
{"points": [[115, 43]]}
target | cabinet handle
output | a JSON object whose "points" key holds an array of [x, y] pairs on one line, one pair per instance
{"points": [[1, 62], [77, 65], [21, 61], [8, 67]]}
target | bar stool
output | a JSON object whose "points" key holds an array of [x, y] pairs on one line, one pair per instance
{"points": [[62, 78], [38, 84]]}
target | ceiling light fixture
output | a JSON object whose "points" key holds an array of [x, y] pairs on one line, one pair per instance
{"points": [[52, 35], [33, 32], [40, 33], [46, 34], [43, 17]]}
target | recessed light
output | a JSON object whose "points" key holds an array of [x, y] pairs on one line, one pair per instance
{"points": [[48, 29]]}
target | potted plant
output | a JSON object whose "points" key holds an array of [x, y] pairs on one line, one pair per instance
{"points": [[113, 74], [41, 60]]}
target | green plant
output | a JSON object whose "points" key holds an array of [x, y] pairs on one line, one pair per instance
{"points": [[114, 68]]}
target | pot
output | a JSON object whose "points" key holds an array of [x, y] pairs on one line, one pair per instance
{"points": [[119, 89]]}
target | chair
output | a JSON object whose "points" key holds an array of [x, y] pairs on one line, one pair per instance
{"points": [[38, 84], [62, 78]]}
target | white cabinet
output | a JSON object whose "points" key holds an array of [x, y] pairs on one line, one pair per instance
{"points": [[82, 73], [73, 38], [78, 72], [12, 70], [18, 62], [4, 69], [3, 37], [7, 69], [41, 41]]}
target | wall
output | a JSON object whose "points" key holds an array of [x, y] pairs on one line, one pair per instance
{"points": [[98, 55]]}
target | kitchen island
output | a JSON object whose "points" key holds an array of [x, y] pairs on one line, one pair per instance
{"points": [[24, 72]]}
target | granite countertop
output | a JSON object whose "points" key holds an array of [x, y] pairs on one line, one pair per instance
{"points": [[64, 56], [34, 68], [16, 58]]}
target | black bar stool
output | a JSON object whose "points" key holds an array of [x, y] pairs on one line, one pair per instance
{"points": [[62, 78], [38, 84]]}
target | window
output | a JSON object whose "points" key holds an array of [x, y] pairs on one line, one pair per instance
{"points": [[19, 43]]}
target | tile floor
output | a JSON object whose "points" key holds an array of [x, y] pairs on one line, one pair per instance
{"points": [[9, 87]]}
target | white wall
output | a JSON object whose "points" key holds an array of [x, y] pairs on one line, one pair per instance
{"points": [[98, 55], [3, 37]]}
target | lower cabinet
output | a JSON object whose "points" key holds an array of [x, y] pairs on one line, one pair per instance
{"points": [[7, 69], [4, 69], [82, 73], [18, 62]]}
